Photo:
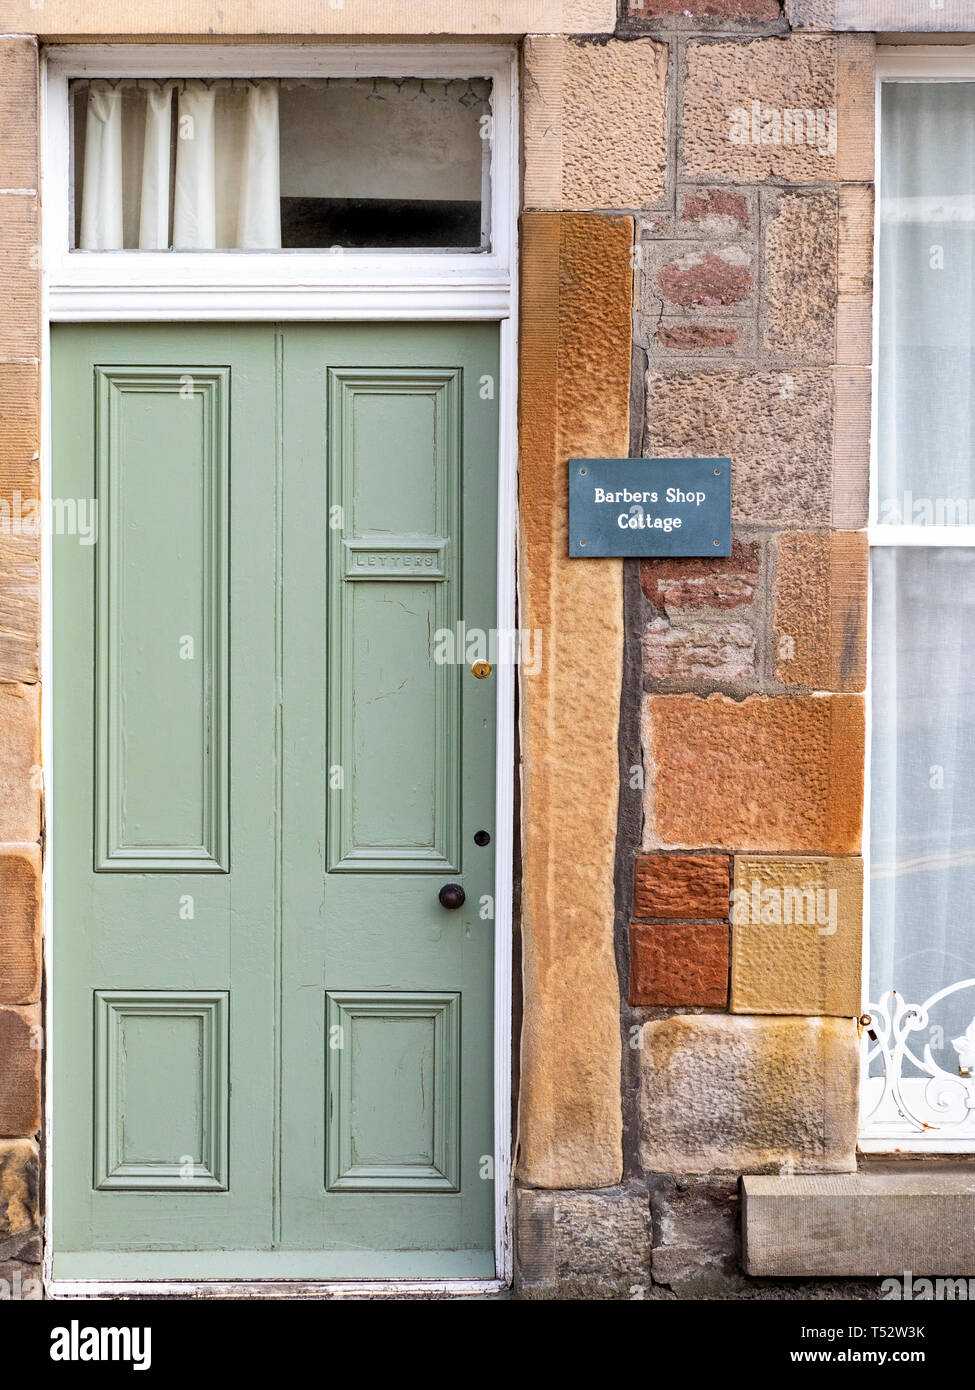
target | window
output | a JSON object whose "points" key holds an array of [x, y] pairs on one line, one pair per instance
{"points": [[211, 181], [920, 1079], [280, 163]]}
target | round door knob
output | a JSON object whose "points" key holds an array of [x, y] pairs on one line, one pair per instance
{"points": [[452, 895]]}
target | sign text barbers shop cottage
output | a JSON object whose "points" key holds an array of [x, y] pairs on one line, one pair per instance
{"points": [[659, 506]]}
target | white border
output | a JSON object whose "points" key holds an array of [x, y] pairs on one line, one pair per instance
{"points": [[947, 63], [376, 286]]}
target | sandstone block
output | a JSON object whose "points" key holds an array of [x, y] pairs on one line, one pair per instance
{"points": [[716, 653], [716, 212], [784, 773], [20, 758], [675, 337], [854, 305], [909, 1225], [723, 1093], [20, 1074], [796, 935], [799, 280], [727, 582], [304, 17], [679, 964], [575, 382], [19, 264], [603, 1236], [20, 472], [820, 609], [798, 439], [20, 924], [20, 600], [719, 279], [681, 885], [595, 123], [18, 113], [797, 111]]}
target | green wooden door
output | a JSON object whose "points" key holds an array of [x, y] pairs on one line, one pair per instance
{"points": [[272, 1044]]}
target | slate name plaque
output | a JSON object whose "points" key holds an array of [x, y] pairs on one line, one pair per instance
{"points": [[649, 507]]}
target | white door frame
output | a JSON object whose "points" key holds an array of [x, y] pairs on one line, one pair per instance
{"points": [[281, 286]]}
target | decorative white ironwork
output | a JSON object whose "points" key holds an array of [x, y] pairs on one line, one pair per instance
{"points": [[932, 1108]]}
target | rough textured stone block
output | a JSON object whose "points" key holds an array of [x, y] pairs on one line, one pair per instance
{"points": [[777, 428], [796, 936], [738, 105], [820, 609], [567, 1236], [20, 758], [762, 774], [716, 212], [695, 1236], [718, 279], [595, 123], [18, 113], [726, 582], [20, 1224], [20, 924], [799, 275], [19, 262], [681, 885], [576, 335], [908, 1225], [717, 653], [20, 1074], [720, 1093], [679, 964]]}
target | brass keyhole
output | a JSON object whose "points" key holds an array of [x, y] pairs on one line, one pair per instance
{"points": [[481, 669]]}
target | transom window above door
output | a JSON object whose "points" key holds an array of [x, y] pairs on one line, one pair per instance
{"points": [[311, 180], [280, 163]]}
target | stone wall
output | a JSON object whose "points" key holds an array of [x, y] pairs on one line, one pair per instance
{"points": [[737, 921]]}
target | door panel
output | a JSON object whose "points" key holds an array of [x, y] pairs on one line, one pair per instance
{"points": [[272, 1045]]}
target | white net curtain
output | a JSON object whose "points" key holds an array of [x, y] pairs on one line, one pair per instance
{"points": [[226, 189]]}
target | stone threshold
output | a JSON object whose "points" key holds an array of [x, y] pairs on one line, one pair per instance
{"points": [[920, 1220]]}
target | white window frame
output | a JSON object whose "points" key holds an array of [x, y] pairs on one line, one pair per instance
{"points": [[302, 284], [944, 63], [288, 286]]}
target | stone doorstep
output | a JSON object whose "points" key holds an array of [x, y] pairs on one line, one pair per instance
{"points": [[860, 1224]]}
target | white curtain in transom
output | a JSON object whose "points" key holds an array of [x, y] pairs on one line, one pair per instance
{"points": [[222, 190]]}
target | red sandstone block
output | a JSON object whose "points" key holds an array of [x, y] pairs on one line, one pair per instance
{"points": [[720, 583], [679, 963], [682, 885]]}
